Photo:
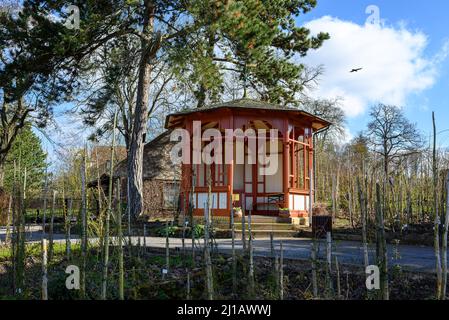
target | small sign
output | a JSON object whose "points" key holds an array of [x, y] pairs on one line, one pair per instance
{"points": [[164, 271], [236, 197]]}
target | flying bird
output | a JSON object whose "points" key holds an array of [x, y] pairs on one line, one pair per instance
{"points": [[356, 70]]}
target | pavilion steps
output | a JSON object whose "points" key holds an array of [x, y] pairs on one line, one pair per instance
{"points": [[261, 227], [256, 226], [258, 234]]}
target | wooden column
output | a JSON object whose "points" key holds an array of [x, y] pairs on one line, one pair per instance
{"points": [[230, 183], [311, 178], [285, 171]]}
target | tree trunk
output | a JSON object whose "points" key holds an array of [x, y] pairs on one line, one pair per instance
{"points": [[135, 152]]}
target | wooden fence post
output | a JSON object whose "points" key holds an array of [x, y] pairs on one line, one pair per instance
{"points": [[314, 271], [44, 270], [445, 234]]}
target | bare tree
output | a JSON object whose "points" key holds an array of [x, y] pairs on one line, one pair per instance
{"points": [[391, 135]]}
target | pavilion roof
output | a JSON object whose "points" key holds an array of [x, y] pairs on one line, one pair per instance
{"points": [[248, 104]]}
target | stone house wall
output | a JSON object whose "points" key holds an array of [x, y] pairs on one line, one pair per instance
{"points": [[155, 199]]}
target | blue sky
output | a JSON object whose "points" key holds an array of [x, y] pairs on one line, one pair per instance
{"points": [[405, 61], [421, 82]]}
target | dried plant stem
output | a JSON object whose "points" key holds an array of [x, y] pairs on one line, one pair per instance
{"points": [[83, 224], [52, 220], [104, 284], [121, 278]]}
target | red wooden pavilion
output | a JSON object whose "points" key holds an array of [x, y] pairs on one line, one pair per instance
{"points": [[287, 193]]}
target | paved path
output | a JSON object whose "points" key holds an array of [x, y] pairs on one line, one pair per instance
{"points": [[419, 258]]}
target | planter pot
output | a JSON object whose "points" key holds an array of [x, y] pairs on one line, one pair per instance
{"points": [[284, 213]]}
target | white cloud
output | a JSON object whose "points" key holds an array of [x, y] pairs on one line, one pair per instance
{"points": [[393, 60]]}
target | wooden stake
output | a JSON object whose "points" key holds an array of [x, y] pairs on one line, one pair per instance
{"points": [[9, 222], [52, 219], [108, 214], [145, 237], [314, 270], [83, 224], [329, 250], [311, 195], [188, 286], [68, 226], [330, 288], [337, 268], [167, 248], [234, 259], [437, 221], [243, 230], [44, 270], [281, 274], [445, 238], [121, 278], [363, 218], [44, 211], [251, 258], [382, 253], [207, 258]]}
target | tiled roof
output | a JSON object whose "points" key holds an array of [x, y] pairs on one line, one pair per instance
{"points": [[247, 104]]}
